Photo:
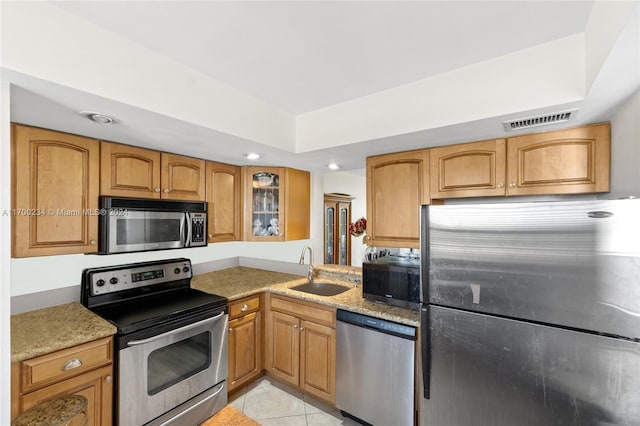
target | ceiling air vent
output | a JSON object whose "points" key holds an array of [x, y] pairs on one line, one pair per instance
{"points": [[539, 120]]}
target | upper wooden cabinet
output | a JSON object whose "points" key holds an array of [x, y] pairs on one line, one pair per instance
{"points": [[224, 195], [397, 185], [474, 169], [55, 192], [568, 161], [277, 204], [130, 171]]}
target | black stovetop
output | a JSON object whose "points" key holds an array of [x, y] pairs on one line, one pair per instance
{"points": [[155, 309]]}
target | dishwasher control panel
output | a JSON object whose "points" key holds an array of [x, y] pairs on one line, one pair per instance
{"points": [[384, 326]]}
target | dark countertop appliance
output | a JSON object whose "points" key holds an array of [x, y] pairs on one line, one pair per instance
{"points": [[531, 313], [393, 278], [171, 343]]}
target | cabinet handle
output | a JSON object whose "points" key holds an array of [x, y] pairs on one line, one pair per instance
{"points": [[156, 190], [501, 185], [295, 326], [230, 330], [107, 379], [210, 236], [301, 328], [71, 364], [244, 308], [166, 190], [93, 242]]}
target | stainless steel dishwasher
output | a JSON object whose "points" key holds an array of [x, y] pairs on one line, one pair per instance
{"points": [[375, 369]]}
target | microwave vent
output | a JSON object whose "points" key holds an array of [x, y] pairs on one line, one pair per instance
{"points": [[539, 120]]}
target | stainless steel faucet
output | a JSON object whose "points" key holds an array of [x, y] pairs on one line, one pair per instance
{"points": [[310, 273], [352, 272]]}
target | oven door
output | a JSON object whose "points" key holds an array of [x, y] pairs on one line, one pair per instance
{"points": [[137, 230], [159, 373]]}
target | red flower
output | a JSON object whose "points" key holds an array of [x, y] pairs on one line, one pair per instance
{"points": [[358, 228]]}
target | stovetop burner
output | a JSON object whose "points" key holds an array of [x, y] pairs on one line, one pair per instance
{"points": [[143, 295]]}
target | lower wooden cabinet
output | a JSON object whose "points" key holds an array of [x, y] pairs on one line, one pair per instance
{"points": [[245, 341], [301, 345], [85, 370]]}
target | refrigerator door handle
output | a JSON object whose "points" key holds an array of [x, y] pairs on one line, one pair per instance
{"points": [[425, 339]]}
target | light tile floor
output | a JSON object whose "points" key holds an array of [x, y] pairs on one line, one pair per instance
{"points": [[271, 403]]}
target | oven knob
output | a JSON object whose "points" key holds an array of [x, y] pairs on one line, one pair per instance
{"points": [[185, 269], [176, 271], [100, 282], [113, 280]]}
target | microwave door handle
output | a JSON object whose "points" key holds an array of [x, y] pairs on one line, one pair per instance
{"points": [[186, 235]]}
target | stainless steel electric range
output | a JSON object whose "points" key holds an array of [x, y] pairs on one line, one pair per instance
{"points": [[171, 344]]}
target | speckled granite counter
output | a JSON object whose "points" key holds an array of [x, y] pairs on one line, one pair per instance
{"points": [[240, 281], [47, 330]]}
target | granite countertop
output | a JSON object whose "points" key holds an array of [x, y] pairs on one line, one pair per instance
{"points": [[48, 330], [237, 282]]}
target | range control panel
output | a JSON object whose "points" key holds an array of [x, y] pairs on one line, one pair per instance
{"points": [[110, 281]]}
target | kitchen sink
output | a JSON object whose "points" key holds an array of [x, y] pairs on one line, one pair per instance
{"points": [[321, 288]]}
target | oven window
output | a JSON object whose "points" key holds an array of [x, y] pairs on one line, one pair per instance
{"points": [[178, 361], [146, 231]]}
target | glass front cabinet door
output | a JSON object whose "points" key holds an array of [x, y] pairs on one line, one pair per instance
{"points": [[337, 241], [265, 204]]}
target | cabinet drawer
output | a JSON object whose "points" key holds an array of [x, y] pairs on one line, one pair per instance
{"points": [[305, 310], [244, 306], [45, 369]]}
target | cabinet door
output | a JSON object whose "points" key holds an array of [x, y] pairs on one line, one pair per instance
{"points": [[568, 161], [397, 184], [55, 192], [128, 171], [224, 189], [244, 350], [297, 187], [182, 178], [337, 240], [264, 204], [330, 209], [285, 347], [96, 386], [318, 360], [468, 170]]}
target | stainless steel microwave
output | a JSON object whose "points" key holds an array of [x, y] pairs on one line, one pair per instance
{"points": [[139, 224]]}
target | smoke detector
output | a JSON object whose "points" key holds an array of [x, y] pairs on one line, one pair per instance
{"points": [[539, 120], [98, 117]]}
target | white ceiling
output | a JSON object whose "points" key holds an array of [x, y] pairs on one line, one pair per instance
{"points": [[303, 56]]}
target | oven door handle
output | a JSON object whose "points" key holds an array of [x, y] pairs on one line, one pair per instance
{"points": [[168, 333]]}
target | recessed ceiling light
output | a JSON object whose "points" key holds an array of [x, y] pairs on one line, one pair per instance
{"points": [[98, 117], [252, 156], [334, 166]]}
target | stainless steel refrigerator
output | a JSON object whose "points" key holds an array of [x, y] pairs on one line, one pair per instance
{"points": [[531, 313]]}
